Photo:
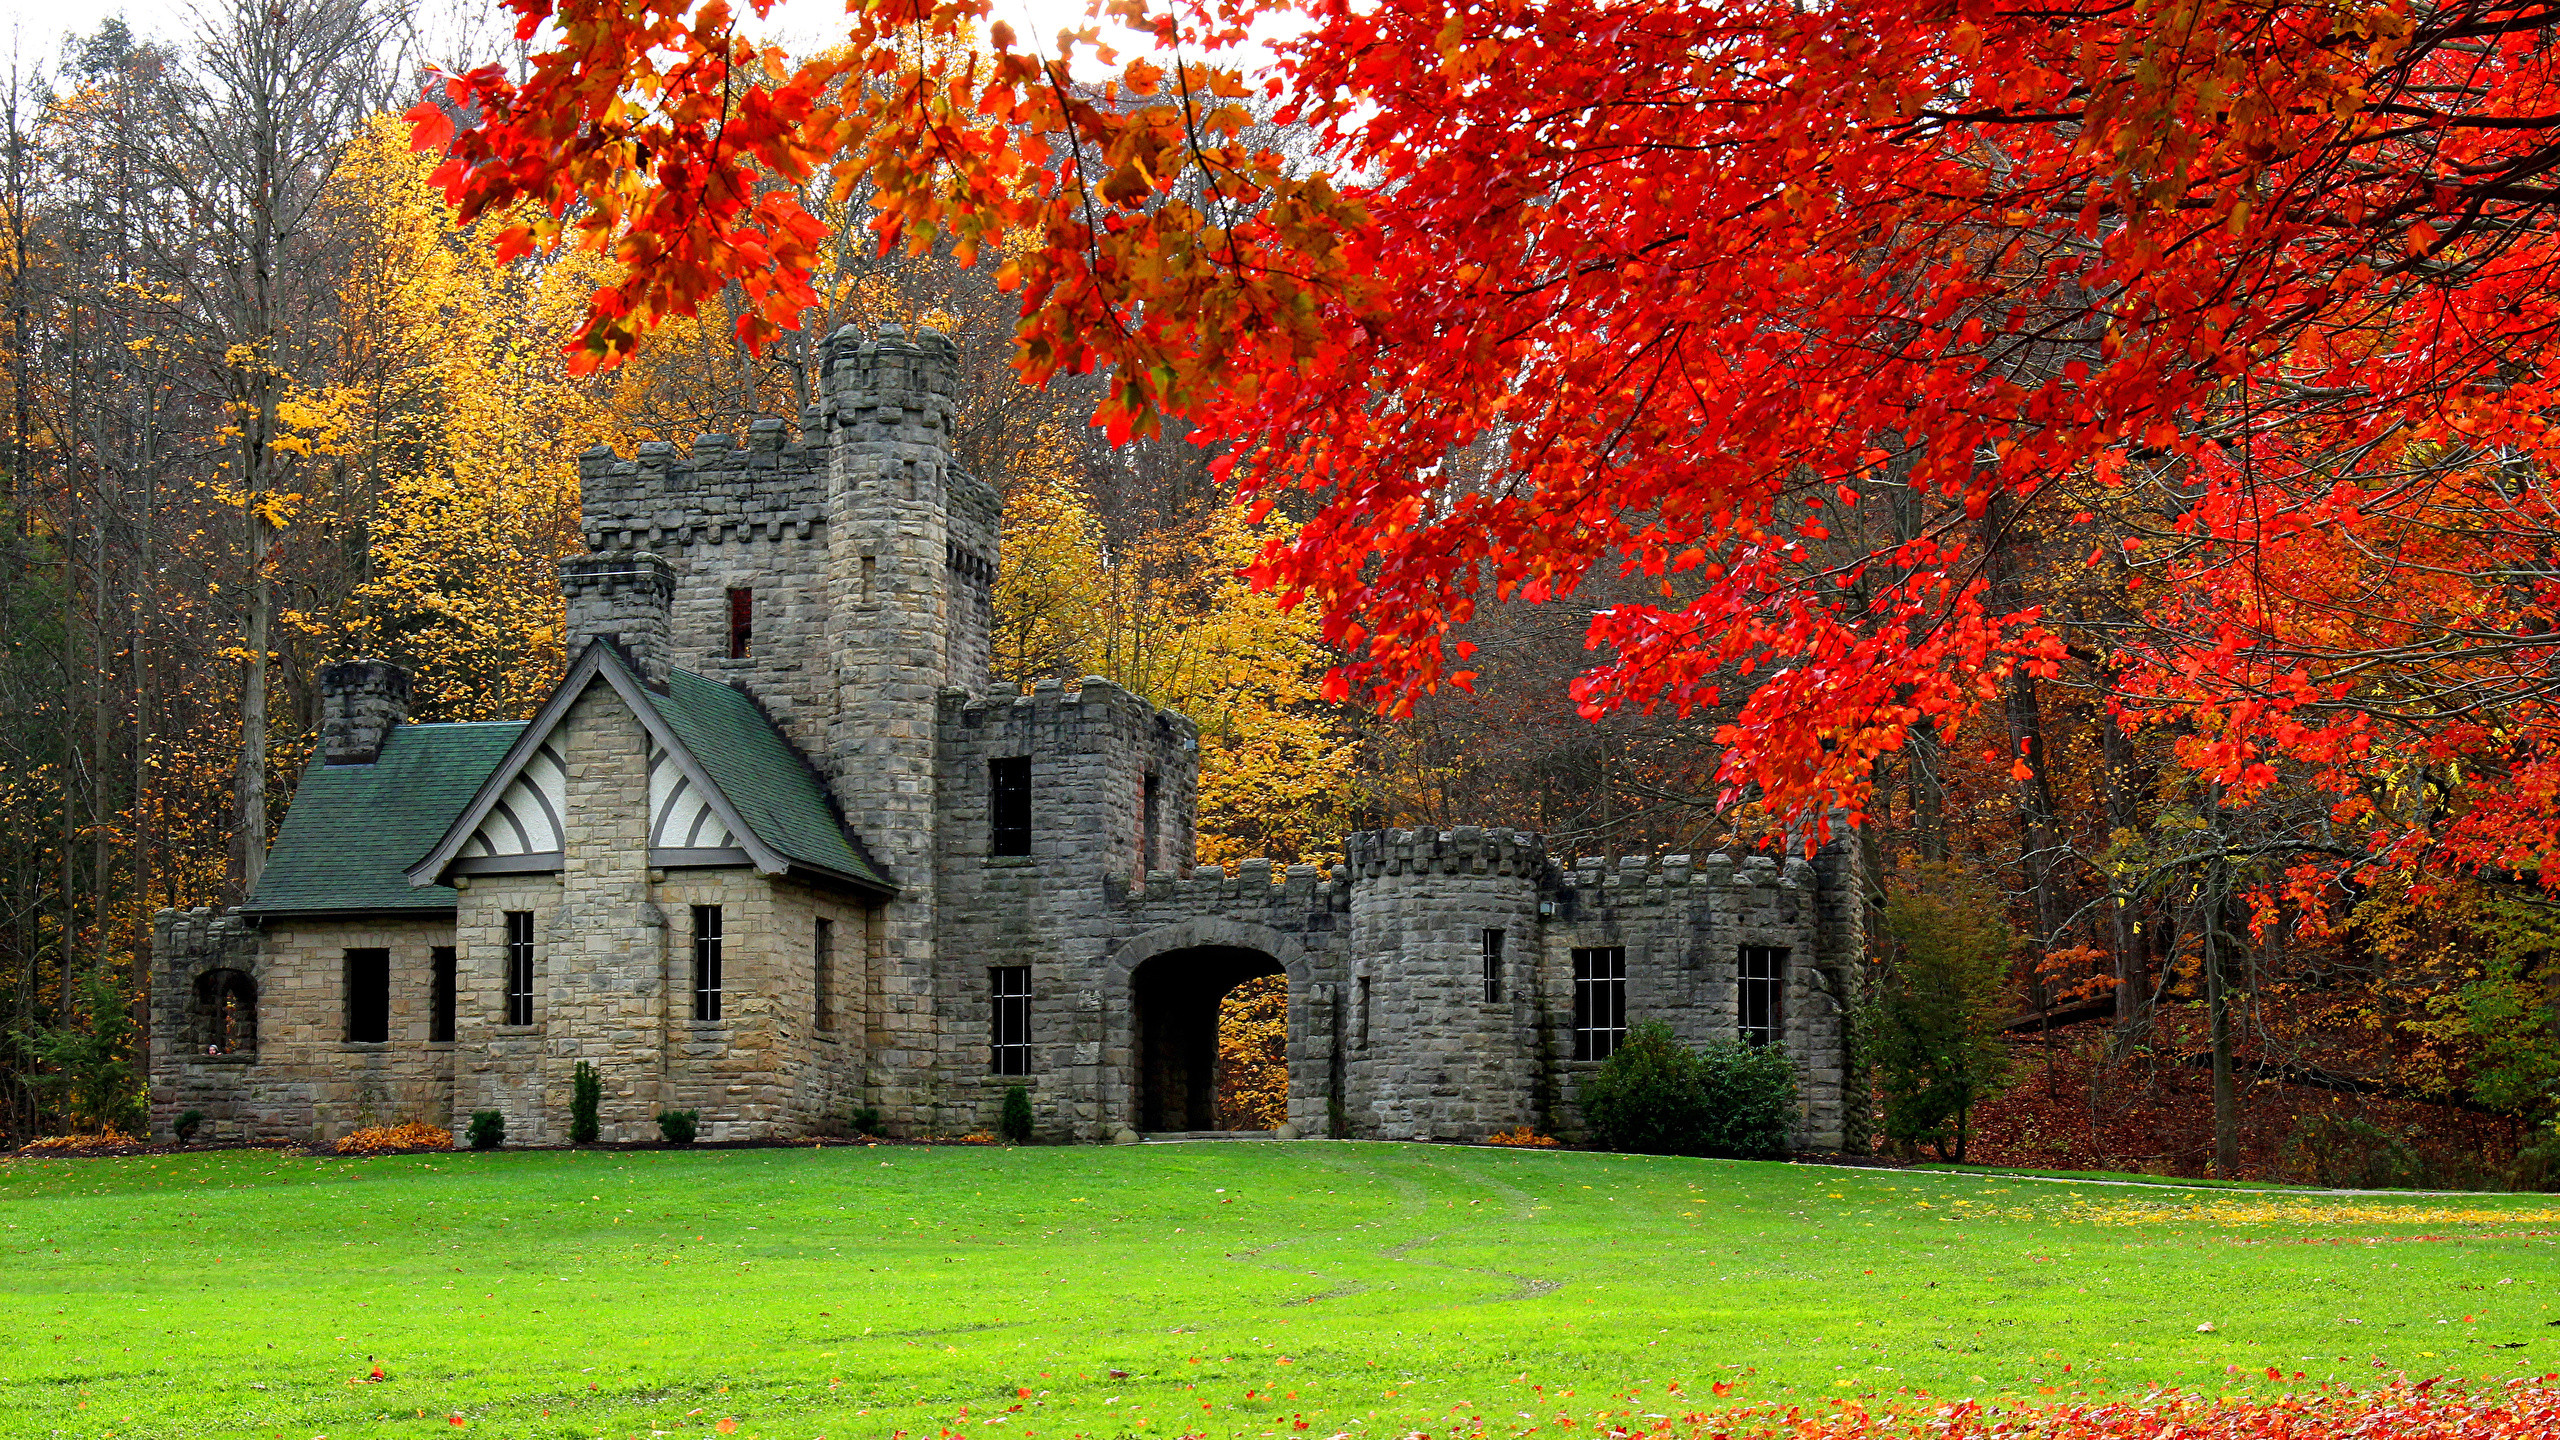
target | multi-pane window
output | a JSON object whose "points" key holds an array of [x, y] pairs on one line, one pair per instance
{"points": [[742, 622], [1009, 806], [823, 961], [519, 967], [440, 994], [1493, 967], [1011, 987], [369, 995], [1599, 1002], [1761, 977], [706, 962]]}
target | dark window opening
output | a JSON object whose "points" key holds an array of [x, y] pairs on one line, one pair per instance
{"points": [[706, 962], [1009, 806], [227, 1013], [1599, 1002], [1360, 1016], [368, 996], [742, 622], [1011, 985], [824, 962], [1763, 977], [440, 994], [1150, 822], [1493, 967], [519, 967]]}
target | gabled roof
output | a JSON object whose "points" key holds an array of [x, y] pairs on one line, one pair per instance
{"points": [[746, 772], [353, 829]]}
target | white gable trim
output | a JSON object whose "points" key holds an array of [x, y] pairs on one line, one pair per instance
{"points": [[600, 660]]}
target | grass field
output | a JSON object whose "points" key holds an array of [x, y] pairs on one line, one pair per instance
{"points": [[1245, 1289]]}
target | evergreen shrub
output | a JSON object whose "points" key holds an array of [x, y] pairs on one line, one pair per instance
{"points": [[586, 1097], [679, 1126], [187, 1125], [487, 1130], [1015, 1122], [1657, 1096], [1930, 1024]]}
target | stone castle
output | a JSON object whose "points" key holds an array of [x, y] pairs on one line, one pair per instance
{"points": [[776, 847]]}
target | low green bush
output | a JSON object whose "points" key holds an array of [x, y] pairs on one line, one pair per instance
{"points": [[187, 1125], [487, 1130], [1657, 1096], [865, 1120], [2344, 1153], [586, 1097], [1014, 1121], [679, 1126], [2537, 1166]]}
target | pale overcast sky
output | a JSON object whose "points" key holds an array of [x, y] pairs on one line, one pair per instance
{"points": [[33, 29]]}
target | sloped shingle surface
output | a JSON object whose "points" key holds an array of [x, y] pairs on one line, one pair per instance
{"points": [[773, 788], [353, 830]]}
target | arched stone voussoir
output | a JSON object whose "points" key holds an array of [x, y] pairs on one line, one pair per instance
{"points": [[1208, 932]]}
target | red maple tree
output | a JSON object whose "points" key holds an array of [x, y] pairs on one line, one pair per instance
{"points": [[1799, 312]]}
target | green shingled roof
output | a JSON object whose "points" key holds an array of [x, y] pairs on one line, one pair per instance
{"points": [[773, 789], [353, 830]]}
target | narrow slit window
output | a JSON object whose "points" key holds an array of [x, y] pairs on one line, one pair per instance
{"points": [[1762, 977], [1009, 806], [1493, 967], [706, 962], [519, 967], [742, 621], [1011, 989], [368, 995], [1150, 821], [823, 961], [440, 994], [1599, 1002]]}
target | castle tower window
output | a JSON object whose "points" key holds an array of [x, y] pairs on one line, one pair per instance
{"points": [[519, 988], [227, 1013], [742, 621], [822, 962], [1762, 978], [1011, 988], [706, 962], [1009, 806], [1493, 967], [1599, 1002], [1150, 822], [440, 994], [368, 996]]}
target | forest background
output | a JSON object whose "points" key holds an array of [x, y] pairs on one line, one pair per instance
{"points": [[269, 408]]}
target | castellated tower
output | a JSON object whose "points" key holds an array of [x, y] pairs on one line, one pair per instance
{"points": [[1445, 1005]]}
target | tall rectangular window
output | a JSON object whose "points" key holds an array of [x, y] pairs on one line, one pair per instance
{"points": [[1599, 1002], [706, 962], [823, 961], [742, 621], [1150, 822], [1761, 977], [440, 994], [1011, 985], [368, 995], [1009, 806], [519, 967], [1493, 967]]}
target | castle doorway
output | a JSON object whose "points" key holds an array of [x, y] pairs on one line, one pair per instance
{"points": [[1179, 997]]}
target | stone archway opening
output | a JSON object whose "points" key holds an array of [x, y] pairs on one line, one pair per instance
{"points": [[1179, 998]]}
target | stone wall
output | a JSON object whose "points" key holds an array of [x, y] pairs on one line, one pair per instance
{"points": [[304, 1081]]}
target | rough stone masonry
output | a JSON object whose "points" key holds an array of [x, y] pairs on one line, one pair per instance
{"points": [[779, 847]]}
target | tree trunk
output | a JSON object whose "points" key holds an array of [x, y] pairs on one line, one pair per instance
{"points": [[2217, 994]]}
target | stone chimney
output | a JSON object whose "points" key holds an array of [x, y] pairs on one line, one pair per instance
{"points": [[361, 702], [628, 599]]}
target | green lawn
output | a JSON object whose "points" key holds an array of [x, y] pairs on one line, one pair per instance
{"points": [[1363, 1289]]}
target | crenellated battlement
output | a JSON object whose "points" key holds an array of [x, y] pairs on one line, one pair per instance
{"points": [[1095, 705], [772, 487], [1465, 850]]}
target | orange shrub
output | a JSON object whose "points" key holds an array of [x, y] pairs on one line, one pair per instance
{"points": [[1524, 1137], [77, 1144], [385, 1139]]}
